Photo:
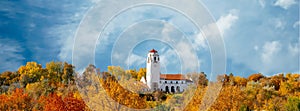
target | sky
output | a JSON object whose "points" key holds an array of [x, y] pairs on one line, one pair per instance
{"points": [[260, 36]]}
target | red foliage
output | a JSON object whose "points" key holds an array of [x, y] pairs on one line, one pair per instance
{"points": [[56, 103], [18, 100]]}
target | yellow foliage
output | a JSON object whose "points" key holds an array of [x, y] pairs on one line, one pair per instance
{"points": [[77, 95]]}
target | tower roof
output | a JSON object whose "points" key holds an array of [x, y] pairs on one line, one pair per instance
{"points": [[172, 77], [153, 51]]}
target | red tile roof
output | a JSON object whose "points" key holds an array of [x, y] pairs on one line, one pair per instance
{"points": [[172, 77], [153, 50]]}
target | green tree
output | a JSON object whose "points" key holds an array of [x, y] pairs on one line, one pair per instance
{"points": [[293, 104]]}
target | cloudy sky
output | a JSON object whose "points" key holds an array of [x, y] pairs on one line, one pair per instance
{"points": [[259, 35]]}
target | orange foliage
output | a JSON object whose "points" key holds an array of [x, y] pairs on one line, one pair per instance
{"points": [[18, 100], [255, 93], [255, 77], [53, 102], [121, 95]]}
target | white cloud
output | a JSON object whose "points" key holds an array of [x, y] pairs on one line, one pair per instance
{"points": [[225, 22], [188, 55], [51, 38], [278, 58], [166, 30], [256, 27], [183, 48], [296, 24], [136, 60], [269, 50], [166, 56], [285, 3], [10, 56], [200, 42], [293, 49], [63, 32], [65, 39], [279, 24]]}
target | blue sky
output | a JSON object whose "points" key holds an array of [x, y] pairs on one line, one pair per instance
{"points": [[259, 35]]}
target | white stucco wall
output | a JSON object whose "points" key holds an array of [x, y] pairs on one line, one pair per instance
{"points": [[153, 70], [181, 84]]}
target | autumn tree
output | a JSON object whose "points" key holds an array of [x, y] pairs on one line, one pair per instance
{"points": [[203, 81], [255, 77], [230, 98], [8, 79], [18, 100], [131, 74], [293, 104], [121, 95], [54, 102], [196, 98], [141, 73], [276, 80], [38, 89], [68, 72], [240, 81], [55, 72], [30, 73]]}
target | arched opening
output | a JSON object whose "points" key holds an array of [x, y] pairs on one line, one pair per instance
{"points": [[167, 89], [172, 89], [177, 89]]}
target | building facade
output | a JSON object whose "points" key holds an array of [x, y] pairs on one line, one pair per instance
{"points": [[173, 83]]}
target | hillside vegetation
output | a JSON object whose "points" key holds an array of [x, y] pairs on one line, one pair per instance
{"points": [[59, 87]]}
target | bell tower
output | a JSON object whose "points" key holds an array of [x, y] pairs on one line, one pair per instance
{"points": [[153, 70]]}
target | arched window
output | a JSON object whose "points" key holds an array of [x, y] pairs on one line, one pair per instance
{"points": [[171, 82], [177, 89], [167, 89], [172, 89], [154, 58], [176, 82], [166, 82]]}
